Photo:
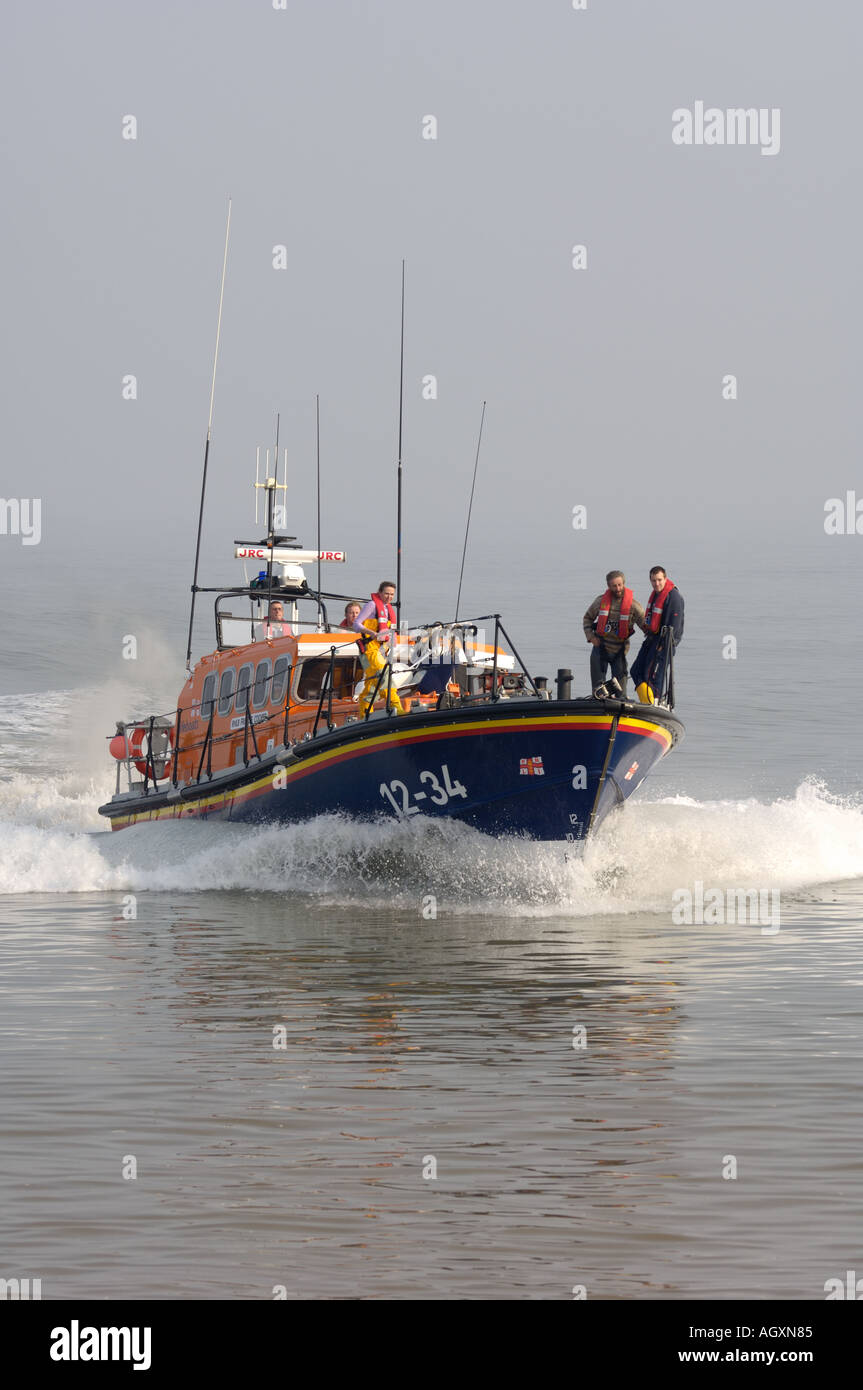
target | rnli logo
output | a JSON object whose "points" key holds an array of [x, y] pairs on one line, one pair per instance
{"points": [[631, 773], [531, 767]]}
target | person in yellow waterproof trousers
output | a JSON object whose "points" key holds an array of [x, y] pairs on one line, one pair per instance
{"points": [[376, 623]]}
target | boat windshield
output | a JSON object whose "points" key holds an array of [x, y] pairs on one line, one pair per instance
{"points": [[236, 630]]}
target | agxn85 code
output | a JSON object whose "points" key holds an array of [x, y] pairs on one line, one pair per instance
{"points": [[400, 798]]}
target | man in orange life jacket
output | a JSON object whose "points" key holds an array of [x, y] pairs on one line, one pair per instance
{"points": [[664, 610], [608, 623], [377, 624], [275, 626]]}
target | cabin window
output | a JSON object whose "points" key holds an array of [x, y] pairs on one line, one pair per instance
{"points": [[244, 681], [261, 692], [226, 691], [207, 696], [280, 679], [313, 677]]}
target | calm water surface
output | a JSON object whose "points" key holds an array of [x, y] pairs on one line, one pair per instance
{"points": [[413, 1045]]}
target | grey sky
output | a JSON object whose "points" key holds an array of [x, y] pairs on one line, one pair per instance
{"points": [[603, 385]]}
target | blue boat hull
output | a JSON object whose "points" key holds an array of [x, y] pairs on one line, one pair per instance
{"points": [[550, 770]]}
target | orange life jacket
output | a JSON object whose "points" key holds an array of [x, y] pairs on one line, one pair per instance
{"points": [[605, 609], [655, 605]]}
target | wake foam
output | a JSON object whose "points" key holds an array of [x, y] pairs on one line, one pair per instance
{"points": [[634, 864]]}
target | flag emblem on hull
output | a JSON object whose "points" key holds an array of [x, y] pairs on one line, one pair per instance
{"points": [[531, 767]]}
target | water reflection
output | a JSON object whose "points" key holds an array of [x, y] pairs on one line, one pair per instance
{"points": [[406, 1040]]}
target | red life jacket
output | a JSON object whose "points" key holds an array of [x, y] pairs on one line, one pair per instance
{"points": [[655, 605], [385, 613], [605, 609], [386, 618]]}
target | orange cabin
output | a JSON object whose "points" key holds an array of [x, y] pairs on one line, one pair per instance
{"points": [[244, 701]]}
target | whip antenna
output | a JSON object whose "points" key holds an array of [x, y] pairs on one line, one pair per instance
{"points": [[399, 492], [318, 449], [470, 508], [207, 445]]}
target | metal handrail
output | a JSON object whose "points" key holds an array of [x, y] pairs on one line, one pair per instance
{"points": [[668, 677], [247, 725], [458, 622], [508, 639], [260, 596], [176, 749], [324, 685], [374, 694], [208, 743], [149, 761], [287, 703]]}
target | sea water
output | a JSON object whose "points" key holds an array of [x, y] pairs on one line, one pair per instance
{"points": [[393, 1060]]}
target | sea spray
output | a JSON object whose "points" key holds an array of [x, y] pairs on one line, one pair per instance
{"points": [[636, 862]]}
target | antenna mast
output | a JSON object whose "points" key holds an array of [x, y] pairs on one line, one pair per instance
{"points": [[318, 449], [469, 510], [271, 497], [207, 446], [399, 491]]}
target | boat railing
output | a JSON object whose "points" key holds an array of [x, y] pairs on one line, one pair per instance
{"points": [[253, 724], [156, 724], [231, 627], [500, 630], [442, 643], [326, 690], [160, 743], [666, 695], [248, 727], [207, 749]]}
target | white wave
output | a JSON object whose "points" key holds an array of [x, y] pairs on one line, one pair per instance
{"points": [[786, 844], [61, 801], [634, 864]]}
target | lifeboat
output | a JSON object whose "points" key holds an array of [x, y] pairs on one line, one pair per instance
{"points": [[269, 727]]}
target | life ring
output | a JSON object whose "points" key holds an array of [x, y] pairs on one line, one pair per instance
{"points": [[131, 745]]}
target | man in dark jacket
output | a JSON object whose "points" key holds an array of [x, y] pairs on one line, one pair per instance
{"points": [[663, 625]]}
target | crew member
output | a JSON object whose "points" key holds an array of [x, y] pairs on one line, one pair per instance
{"points": [[608, 623], [352, 612], [376, 623], [275, 625], [663, 618]]}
